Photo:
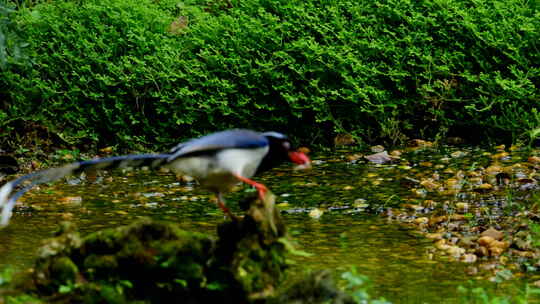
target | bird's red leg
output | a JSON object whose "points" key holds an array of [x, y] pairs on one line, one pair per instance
{"points": [[260, 187], [222, 206]]}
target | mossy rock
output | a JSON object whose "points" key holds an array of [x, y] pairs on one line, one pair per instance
{"points": [[153, 262], [145, 260]]}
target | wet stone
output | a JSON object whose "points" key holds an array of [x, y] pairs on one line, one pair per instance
{"points": [[469, 258], [377, 149], [493, 233], [485, 241]]}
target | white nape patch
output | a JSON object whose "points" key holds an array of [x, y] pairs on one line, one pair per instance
{"points": [[4, 193]]}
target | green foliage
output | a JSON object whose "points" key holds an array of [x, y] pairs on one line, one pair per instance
{"points": [[127, 72], [478, 295], [6, 276], [357, 285], [534, 236], [22, 299], [11, 46]]}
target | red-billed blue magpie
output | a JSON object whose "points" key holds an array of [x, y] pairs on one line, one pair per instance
{"points": [[218, 161]]}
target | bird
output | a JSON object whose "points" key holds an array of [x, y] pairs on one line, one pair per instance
{"points": [[218, 161]]}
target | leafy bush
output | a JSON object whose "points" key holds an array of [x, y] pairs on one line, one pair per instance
{"points": [[146, 71], [11, 46]]}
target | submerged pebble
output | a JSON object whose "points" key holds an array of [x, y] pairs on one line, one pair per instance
{"points": [[315, 213]]}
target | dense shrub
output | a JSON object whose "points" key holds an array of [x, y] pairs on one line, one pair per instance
{"points": [[117, 71]]}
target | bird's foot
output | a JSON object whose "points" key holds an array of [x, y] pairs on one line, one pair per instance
{"points": [[262, 192], [228, 212], [261, 189]]}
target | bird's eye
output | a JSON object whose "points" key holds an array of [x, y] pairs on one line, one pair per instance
{"points": [[286, 145]]}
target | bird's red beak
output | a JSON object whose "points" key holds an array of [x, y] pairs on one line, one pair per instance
{"points": [[300, 158]]}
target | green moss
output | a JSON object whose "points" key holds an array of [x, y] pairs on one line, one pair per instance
{"points": [[100, 265], [23, 299], [63, 271], [154, 262]]}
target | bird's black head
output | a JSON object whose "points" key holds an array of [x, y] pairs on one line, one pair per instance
{"points": [[281, 150]]}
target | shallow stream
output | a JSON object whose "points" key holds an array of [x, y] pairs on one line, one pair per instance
{"points": [[346, 230]]}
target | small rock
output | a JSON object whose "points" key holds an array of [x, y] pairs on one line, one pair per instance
{"points": [[354, 157], [441, 245], [467, 241], [449, 171], [395, 153], [453, 183], [66, 216], [457, 217], [474, 174], [377, 149], [524, 254], [420, 143], [527, 184], [469, 258], [434, 236], [485, 241], [472, 271], [493, 233], [185, 178], [458, 154], [315, 213], [481, 251], [501, 156], [379, 158], [462, 207], [496, 251], [420, 192], [522, 244], [494, 169], [437, 219], [534, 159], [107, 150], [360, 203], [344, 139], [429, 184], [75, 200], [67, 157], [475, 181], [483, 188], [499, 244], [421, 220], [455, 251], [413, 207], [430, 204]]}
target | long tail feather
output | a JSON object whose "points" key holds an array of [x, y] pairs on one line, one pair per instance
{"points": [[49, 175]]}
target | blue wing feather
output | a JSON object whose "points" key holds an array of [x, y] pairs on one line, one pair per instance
{"points": [[237, 138]]}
